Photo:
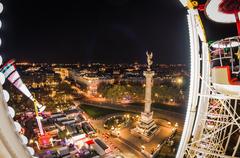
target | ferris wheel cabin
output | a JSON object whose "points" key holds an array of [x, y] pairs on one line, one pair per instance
{"points": [[225, 53], [225, 65]]}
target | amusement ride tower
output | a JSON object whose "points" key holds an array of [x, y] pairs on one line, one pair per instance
{"points": [[212, 124]]}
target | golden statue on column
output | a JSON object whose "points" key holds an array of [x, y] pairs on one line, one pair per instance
{"points": [[149, 59]]}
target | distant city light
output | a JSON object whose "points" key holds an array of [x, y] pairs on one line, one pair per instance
{"points": [[179, 80], [31, 141], [176, 125]]}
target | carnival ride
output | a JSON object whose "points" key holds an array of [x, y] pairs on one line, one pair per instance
{"points": [[8, 71], [13, 144], [212, 124]]}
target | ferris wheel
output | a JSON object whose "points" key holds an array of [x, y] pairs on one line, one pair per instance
{"points": [[212, 124]]}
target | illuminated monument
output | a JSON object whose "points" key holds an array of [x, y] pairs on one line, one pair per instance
{"points": [[146, 127]]}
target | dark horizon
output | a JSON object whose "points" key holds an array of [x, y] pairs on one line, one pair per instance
{"points": [[104, 31]]}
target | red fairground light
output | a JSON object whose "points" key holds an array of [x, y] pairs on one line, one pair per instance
{"points": [[44, 141]]}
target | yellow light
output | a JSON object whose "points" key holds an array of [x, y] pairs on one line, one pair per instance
{"points": [[179, 81], [238, 54], [68, 133], [31, 141], [176, 124]]}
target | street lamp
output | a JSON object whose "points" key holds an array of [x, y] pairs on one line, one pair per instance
{"points": [[31, 141], [179, 80], [176, 125], [68, 133], [173, 129]]}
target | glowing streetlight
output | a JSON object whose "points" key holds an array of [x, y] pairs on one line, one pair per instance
{"points": [[173, 129], [176, 125], [31, 141], [179, 81], [58, 110], [68, 133]]}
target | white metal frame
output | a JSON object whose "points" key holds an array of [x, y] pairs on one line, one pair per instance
{"points": [[211, 121]]}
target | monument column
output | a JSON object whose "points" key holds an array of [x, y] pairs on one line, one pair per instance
{"points": [[148, 90], [146, 127]]}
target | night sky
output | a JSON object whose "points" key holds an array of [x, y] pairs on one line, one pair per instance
{"points": [[105, 31]]}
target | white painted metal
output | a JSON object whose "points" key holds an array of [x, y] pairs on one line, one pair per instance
{"points": [[10, 143], [212, 121], [214, 14], [194, 84]]}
